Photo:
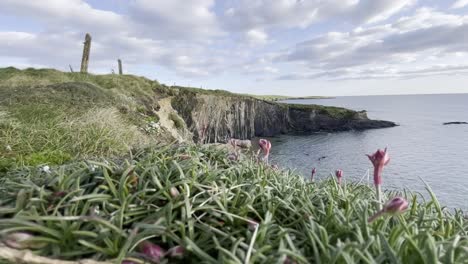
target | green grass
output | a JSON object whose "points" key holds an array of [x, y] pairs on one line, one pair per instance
{"points": [[318, 222], [178, 122], [52, 117]]}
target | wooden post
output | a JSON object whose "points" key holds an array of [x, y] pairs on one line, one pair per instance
{"points": [[120, 67], [86, 51]]}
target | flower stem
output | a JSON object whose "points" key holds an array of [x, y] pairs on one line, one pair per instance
{"points": [[378, 192]]}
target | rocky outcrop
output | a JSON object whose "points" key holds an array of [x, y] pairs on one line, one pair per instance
{"points": [[456, 123], [216, 117]]}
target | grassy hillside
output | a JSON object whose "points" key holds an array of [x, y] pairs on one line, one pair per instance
{"points": [[198, 199], [48, 116]]}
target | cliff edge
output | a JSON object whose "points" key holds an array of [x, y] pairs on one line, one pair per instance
{"points": [[215, 117]]}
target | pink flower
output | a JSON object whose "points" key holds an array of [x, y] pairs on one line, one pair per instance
{"points": [[152, 251], [265, 145], [339, 175], [379, 159], [314, 171], [395, 206]]}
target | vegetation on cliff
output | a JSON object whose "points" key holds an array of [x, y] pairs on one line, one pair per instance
{"points": [[215, 210]]}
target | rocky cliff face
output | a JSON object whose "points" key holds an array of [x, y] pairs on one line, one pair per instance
{"points": [[216, 117]]}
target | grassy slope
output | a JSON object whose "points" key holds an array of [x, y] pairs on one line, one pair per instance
{"points": [[103, 213], [48, 116]]}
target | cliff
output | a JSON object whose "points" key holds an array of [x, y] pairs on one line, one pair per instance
{"points": [[214, 117], [51, 117]]}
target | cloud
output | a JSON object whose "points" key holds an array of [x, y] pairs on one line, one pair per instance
{"points": [[378, 73], [59, 14], [256, 37], [426, 34], [188, 19], [245, 15], [460, 4], [150, 33]]}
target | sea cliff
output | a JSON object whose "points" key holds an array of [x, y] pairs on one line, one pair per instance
{"points": [[215, 117]]}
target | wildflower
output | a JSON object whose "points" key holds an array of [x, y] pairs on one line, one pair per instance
{"points": [[45, 169], [314, 171], [174, 192], [265, 145], [339, 175], [8, 148], [395, 206], [379, 159], [176, 251], [152, 251]]}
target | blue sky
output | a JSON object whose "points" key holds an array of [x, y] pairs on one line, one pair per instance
{"points": [[288, 47]]}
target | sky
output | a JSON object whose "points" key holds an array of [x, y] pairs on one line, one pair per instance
{"points": [[283, 47]]}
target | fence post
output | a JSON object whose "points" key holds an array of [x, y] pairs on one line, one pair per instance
{"points": [[120, 66], [86, 51]]}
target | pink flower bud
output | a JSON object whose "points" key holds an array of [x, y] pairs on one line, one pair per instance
{"points": [[314, 171], [395, 206], [174, 192], [152, 251], [265, 145], [339, 175], [176, 252], [379, 159]]}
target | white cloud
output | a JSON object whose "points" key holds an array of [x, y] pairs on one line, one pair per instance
{"points": [[176, 19], [150, 34], [426, 37], [460, 4], [256, 36], [245, 15], [66, 14]]}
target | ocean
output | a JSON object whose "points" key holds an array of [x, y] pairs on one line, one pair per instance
{"points": [[421, 147]]}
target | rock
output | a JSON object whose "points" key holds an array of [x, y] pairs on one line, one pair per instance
{"points": [[246, 143], [456, 123], [214, 117]]}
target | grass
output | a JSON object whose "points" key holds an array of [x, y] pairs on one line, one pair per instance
{"points": [[178, 122], [103, 210], [52, 117]]}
